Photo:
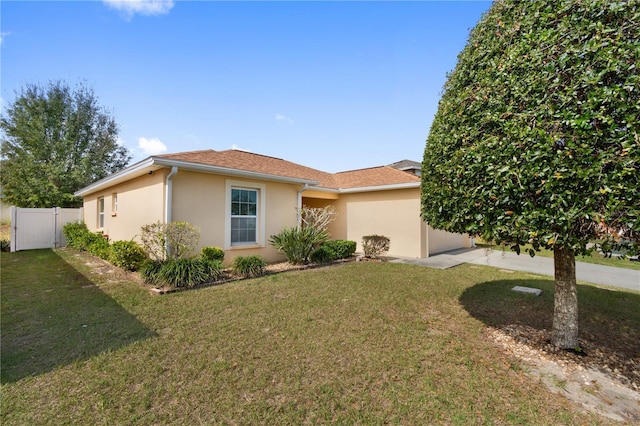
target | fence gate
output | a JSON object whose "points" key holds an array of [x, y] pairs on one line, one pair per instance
{"points": [[40, 228]]}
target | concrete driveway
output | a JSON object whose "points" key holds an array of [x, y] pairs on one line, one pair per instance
{"points": [[588, 272]]}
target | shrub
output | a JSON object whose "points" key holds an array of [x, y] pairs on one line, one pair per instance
{"points": [[97, 245], [150, 271], [186, 272], [375, 245], [127, 254], [323, 254], [5, 245], [341, 248], [213, 253], [249, 266], [173, 240], [298, 243], [212, 268], [75, 233]]}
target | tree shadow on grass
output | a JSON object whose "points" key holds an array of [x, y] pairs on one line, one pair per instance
{"points": [[52, 316], [609, 320]]}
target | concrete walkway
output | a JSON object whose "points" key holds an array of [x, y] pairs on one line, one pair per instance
{"points": [[588, 272]]}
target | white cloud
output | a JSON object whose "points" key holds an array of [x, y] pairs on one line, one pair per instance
{"points": [[151, 146], [237, 148], [3, 35], [283, 118], [143, 7]]}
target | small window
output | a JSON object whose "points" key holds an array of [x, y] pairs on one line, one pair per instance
{"points": [[114, 204], [244, 216], [101, 212]]}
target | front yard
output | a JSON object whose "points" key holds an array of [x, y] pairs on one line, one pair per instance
{"points": [[359, 343]]}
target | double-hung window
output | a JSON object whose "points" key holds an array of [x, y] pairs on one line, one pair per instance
{"points": [[244, 216], [101, 212]]}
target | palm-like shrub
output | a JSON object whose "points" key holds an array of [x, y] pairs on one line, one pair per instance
{"points": [[298, 243], [249, 266]]}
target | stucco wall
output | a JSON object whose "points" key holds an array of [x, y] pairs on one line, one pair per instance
{"points": [[441, 241], [200, 199], [140, 202], [394, 214]]}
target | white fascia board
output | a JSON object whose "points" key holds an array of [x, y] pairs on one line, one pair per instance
{"points": [[139, 168], [185, 165], [407, 185], [155, 163]]}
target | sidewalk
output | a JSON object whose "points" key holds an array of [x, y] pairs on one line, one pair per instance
{"points": [[588, 272]]}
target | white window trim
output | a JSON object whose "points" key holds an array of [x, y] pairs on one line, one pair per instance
{"points": [[260, 222]]}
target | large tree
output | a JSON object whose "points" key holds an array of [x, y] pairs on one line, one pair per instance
{"points": [[536, 139], [55, 140]]}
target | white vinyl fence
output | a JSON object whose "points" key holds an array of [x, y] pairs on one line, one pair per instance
{"points": [[40, 228]]}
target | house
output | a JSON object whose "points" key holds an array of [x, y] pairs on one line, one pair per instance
{"points": [[239, 199]]}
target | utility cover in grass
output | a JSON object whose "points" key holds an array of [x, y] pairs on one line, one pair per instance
{"points": [[527, 290]]}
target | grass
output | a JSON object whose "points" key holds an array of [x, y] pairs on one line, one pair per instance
{"points": [[360, 343], [595, 257]]}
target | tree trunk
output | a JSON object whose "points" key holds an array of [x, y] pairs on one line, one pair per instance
{"points": [[565, 312]]}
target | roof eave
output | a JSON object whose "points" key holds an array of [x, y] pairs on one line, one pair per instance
{"points": [[154, 163], [406, 185], [227, 171]]}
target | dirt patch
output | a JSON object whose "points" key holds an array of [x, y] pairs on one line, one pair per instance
{"points": [[595, 385]]}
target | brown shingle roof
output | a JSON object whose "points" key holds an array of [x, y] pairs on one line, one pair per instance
{"points": [[247, 161], [375, 176]]}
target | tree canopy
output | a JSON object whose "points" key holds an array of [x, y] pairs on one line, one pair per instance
{"points": [[536, 137], [56, 140]]}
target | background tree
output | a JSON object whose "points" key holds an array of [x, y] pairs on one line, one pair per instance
{"points": [[536, 136], [56, 140]]}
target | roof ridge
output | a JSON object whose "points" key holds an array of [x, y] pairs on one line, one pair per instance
{"points": [[365, 168], [171, 154], [255, 153]]}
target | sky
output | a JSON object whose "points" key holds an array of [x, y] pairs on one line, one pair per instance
{"points": [[331, 85]]}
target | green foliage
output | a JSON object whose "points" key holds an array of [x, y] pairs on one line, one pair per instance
{"points": [[298, 243], [333, 250], [5, 245], [127, 254], [185, 272], [150, 271], [536, 138], [213, 253], [80, 238], [75, 234], [249, 266], [56, 140], [323, 255], [97, 245], [174, 240], [375, 245], [341, 248]]}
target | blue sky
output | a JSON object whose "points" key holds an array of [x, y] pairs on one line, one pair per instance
{"points": [[331, 85]]}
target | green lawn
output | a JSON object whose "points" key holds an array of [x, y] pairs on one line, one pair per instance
{"points": [[360, 343]]}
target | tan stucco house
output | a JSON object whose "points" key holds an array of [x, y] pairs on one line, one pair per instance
{"points": [[239, 199]]}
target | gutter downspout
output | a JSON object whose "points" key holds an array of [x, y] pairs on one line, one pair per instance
{"points": [[169, 194], [299, 208]]}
